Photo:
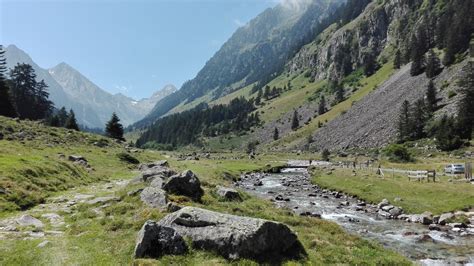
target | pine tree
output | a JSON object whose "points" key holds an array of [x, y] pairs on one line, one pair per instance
{"points": [[71, 122], [431, 98], [275, 134], [6, 104], [370, 65], [295, 123], [397, 62], [62, 116], [417, 56], [404, 122], [325, 155], [339, 97], [465, 116], [322, 106], [446, 137], [266, 93], [419, 119], [114, 129], [433, 65]]}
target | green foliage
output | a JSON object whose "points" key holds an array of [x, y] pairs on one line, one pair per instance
{"points": [[295, 122], [71, 122], [6, 104], [397, 62], [433, 65], [275, 134], [397, 153], [431, 98], [446, 135], [325, 155], [113, 128], [322, 105], [30, 97], [465, 116], [127, 157]]}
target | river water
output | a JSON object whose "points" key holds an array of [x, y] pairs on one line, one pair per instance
{"points": [[415, 241]]}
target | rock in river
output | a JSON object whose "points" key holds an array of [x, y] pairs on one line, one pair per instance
{"points": [[155, 241], [234, 236], [186, 184]]}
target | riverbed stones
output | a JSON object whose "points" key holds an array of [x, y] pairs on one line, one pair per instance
{"points": [[185, 184], [233, 236], [445, 217], [425, 218], [155, 240], [228, 194], [383, 203], [395, 211], [154, 197]]}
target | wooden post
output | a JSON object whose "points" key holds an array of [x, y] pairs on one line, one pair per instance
{"points": [[468, 171]]}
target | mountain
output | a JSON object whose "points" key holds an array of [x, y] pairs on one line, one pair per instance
{"points": [[256, 52], [344, 82], [93, 106]]}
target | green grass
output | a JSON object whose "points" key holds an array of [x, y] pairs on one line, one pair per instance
{"points": [[439, 197], [33, 166], [368, 85]]}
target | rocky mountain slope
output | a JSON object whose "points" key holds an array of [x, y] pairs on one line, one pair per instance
{"points": [[93, 106]]}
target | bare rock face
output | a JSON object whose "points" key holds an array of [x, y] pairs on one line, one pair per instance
{"points": [[154, 197], [186, 184], [146, 166], [234, 236], [229, 194], [157, 171], [155, 241]]}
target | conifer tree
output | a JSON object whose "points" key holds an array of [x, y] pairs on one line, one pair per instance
{"points": [[397, 62], [62, 116], [322, 106], [295, 123], [417, 57], [465, 116], [339, 97], [433, 65], [114, 129], [266, 93], [71, 122], [275, 134], [446, 137], [325, 155], [419, 119], [431, 98], [404, 122], [6, 104]]}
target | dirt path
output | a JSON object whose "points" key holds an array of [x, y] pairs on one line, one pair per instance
{"points": [[47, 221]]}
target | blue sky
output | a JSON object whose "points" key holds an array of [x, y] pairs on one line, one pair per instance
{"points": [[133, 47]]}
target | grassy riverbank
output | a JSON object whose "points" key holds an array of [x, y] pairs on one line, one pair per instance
{"points": [[439, 197]]}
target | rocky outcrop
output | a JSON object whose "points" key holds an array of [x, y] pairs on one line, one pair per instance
{"points": [[154, 197], [154, 241], [377, 113], [234, 236], [185, 184], [228, 194]]}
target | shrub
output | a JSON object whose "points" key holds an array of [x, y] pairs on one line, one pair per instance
{"points": [[398, 153], [125, 157]]}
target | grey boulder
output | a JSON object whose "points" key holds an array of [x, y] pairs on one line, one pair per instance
{"points": [[154, 241], [445, 217], [154, 197], [228, 194], [161, 172], [145, 166], [186, 184], [28, 220], [234, 236]]}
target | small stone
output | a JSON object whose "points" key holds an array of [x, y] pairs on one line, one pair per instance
{"points": [[44, 244]]}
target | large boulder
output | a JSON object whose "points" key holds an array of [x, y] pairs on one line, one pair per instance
{"points": [[234, 236], [145, 166], [154, 197], [228, 194], [186, 184], [425, 218], [154, 241], [28, 220], [155, 172]]}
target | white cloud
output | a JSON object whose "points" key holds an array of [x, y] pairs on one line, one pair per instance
{"points": [[295, 4], [239, 23]]}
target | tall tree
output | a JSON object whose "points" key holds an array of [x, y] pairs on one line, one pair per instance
{"points": [[322, 105], [433, 65], [419, 119], [417, 57], [446, 137], [71, 122], [6, 104], [275, 134], [404, 122], [114, 129], [397, 61], [339, 97], [295, 122], [370, 64], [465, 117], [431, 98]]}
